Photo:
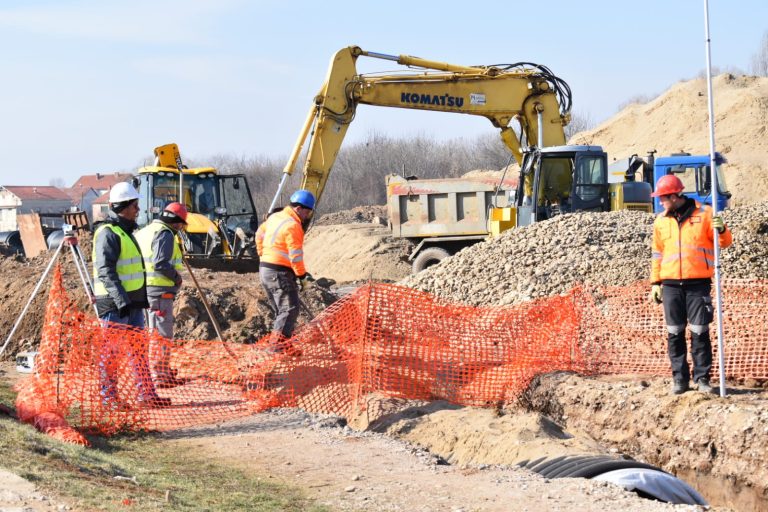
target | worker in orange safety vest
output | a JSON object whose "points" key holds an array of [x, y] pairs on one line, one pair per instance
{"points": [[281, 268], [682, 267]]}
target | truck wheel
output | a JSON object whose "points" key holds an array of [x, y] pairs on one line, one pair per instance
{"points": [[429, 257]]}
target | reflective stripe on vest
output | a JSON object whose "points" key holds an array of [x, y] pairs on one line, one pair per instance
{"points": [[145, 236], [129, 263]]}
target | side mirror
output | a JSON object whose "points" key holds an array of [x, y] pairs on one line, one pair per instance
{"points": [[135, 182], [236, 184]]}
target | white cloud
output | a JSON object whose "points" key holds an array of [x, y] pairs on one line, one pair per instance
{"points": [[139, 21]]}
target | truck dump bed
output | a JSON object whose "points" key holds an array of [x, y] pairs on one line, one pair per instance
{"points": [[443, 207]]}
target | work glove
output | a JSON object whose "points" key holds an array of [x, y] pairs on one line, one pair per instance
{"points": [[124, 311], [655, 295], [303, 280], [718, 223]]}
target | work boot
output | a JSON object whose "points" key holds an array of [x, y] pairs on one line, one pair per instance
{"points": [[679, 386], [703, 385]]}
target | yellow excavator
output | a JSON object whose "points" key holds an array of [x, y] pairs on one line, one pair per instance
{"points": [[529, 94], [222, 218]]}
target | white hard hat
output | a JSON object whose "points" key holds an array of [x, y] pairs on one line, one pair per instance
{"points": [[121, 192]]}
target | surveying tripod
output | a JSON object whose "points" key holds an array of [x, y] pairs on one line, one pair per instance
{"points": [[71, 241]]}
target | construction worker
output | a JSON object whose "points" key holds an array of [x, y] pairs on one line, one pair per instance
{"points": [[120, 291], [163, 264], [281, 267], [259, 236], [681, 277]]}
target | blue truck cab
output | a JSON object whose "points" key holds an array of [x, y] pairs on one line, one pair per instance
{"points": [[694, 172]]}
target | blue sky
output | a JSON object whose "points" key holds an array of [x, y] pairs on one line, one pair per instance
{"points": [[92, 86]]}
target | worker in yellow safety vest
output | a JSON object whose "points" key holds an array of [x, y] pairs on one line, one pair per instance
{"points": [[281, 268], [681, 278], [119, 286], [163, 263]]}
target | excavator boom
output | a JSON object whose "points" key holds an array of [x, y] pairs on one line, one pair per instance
{"points": [[527, 93]]}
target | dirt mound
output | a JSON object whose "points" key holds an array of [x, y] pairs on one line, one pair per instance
{"points": [[359, 214], [240, 306], [678, 120], [478, 436], [238, 301], [356, 252], [18, 278], [550, 257]]}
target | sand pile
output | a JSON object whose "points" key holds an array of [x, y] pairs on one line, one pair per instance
{"points": [[678, 121]]}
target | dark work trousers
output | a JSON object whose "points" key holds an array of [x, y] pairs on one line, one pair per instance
{"points": [[283, 296], [688, 304]]}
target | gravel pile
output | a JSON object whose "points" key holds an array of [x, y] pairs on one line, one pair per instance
{"points": [[549, 257], [358, 214]]}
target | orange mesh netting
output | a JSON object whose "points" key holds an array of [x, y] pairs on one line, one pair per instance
{"points": [[383, 339]]}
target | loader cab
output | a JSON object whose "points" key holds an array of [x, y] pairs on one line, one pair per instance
{"points": [[562, 179]]}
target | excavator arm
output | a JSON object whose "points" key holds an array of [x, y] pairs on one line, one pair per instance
{"points": [[524, 92]]}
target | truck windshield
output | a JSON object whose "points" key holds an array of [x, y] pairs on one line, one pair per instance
{"points": [[698, 178]]}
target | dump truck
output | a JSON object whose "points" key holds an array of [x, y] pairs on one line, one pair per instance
{"points": [[442, 216], [693, 170]]}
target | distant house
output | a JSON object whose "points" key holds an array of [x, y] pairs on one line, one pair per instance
{"points": [[99, 207], [91, 187], [30, 199], [101, 182], [82, 199]]}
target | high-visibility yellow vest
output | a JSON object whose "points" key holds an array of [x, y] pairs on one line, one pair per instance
{"points": [[145, 236], [129, 266]]}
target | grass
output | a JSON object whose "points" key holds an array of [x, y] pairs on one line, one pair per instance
{"points": [[136, 472]]}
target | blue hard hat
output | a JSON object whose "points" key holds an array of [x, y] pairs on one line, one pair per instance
{"points": [[304, 198]]}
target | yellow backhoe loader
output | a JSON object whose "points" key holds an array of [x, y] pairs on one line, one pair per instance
{"points": [[222, 218]]}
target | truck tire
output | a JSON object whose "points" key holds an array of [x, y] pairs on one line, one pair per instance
{"points": [[429, 257]]}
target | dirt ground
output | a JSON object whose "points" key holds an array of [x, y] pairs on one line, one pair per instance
{"points": [[372, 471], [18, 494]]}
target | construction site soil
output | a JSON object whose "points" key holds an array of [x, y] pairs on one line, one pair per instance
{"points": [[435, 456]]}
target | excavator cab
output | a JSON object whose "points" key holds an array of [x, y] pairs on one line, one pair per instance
{"points": [[561, 179]]}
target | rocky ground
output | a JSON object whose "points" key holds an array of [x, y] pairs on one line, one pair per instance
{"points": [[375, 214], [550, 257]]}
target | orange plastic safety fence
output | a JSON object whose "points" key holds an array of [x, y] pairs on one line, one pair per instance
{"points": [[383, 339]]}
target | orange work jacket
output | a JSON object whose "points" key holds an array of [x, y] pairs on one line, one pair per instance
{"points": [[283, 241], [685, 250], [260, 238]]}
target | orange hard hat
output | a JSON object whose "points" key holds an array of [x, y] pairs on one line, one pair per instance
{"points": [[178, 210], [668, 184]]}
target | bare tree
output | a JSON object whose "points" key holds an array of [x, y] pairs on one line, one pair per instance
{"points": [[57, 182], [760, 59], [579, 122]]}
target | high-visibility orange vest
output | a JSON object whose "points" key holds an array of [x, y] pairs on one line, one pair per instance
{"points": [[283, 242], [687, 250]]}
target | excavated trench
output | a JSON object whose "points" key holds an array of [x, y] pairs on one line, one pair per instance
{"points": [[717, 445]]}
